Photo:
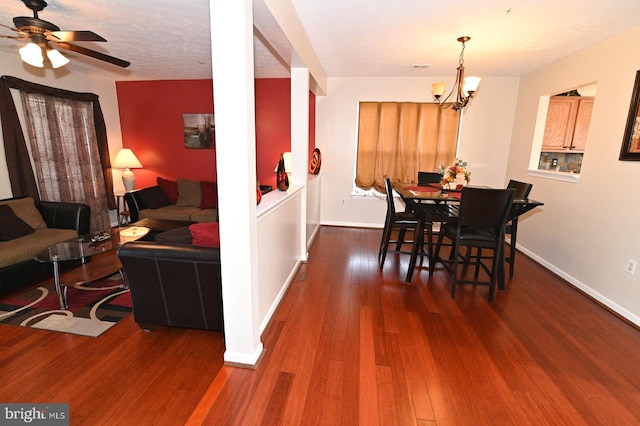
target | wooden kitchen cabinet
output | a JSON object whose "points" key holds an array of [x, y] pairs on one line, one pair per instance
{"points": [[581, 129], [567, 125]]}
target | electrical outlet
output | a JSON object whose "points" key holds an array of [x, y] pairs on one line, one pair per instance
{"points": [[631, 267], [342, 201]]}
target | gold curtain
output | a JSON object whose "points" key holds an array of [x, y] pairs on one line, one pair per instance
{"points": [[398, 139]]}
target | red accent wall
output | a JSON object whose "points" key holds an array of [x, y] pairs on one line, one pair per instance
{"points": [[273, 125], [151, 124]]}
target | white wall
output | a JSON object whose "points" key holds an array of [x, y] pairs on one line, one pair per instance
{"points": [[314, 201], [587, 230], [10, 64], [279, 233], [485, 138]]}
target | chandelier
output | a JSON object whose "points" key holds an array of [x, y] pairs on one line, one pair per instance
{"points": [[464, 88]]}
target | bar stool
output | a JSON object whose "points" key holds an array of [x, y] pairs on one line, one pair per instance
{"points": [[401, 221]]}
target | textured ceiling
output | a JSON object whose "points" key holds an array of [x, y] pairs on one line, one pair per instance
{"points": [[508, 37], [165, 39]]}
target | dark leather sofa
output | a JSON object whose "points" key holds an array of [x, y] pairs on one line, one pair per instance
{"points": [[59, 215], [141, 209], [176, 285]]}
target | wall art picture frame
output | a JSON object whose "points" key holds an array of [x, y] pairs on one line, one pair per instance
{"points": [[199, 131], [630, 150]]}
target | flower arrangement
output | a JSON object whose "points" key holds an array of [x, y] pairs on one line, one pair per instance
{"points": [[455, 177]]}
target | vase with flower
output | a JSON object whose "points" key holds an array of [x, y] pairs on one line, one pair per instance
{"points": [[455, 177]]}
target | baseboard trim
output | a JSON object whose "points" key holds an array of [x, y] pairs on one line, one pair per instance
{"points": [[280, 295], [583, 288], [353, 224], [242, 360]]}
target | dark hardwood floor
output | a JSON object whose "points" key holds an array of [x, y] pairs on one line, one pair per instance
{"points": [[351, 344], [124, 377]]}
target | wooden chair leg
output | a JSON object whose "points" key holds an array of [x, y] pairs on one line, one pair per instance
{"points": [[494, 275], [436, 256], [512, 246], [467, 259], [401, 235], [384, 245], [418, 241], [499, 257], [476, 273], [454, 272]]}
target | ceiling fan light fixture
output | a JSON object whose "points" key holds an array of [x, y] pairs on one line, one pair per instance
{"points": [[44, 36], [32, 55], [56, 58]]}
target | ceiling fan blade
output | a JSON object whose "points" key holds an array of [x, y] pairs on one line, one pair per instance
{"points": [[93, 54], [74, 36], [14, 37], [12, 28]]}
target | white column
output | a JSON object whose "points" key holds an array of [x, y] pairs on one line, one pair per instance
{"points": [[233, 86], [300, 143]]}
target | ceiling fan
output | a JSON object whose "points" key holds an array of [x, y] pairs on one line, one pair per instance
{"points": [[43, 35]]}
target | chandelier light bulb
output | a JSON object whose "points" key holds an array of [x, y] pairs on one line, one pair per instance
{"points": [[471, 84], [437, 89]]}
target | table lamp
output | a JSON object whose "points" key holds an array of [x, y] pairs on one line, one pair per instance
{"points": [[126, 159]]}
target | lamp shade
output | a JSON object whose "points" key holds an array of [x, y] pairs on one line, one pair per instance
{"points": [[471, 84], [126, 159], [437, 89], [56, 58], [32, 55]]}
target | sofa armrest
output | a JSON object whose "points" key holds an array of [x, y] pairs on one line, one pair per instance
{"points": [[135, 203], [169, 252], [63, 215]]}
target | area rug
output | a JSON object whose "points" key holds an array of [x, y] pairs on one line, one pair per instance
{"points": [[93, 308]]}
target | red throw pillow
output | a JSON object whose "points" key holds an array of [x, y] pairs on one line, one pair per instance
{"points": [[170, 187], [209, 195], [205, 234]]}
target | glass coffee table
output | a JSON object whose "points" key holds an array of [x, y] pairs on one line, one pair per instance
{"points": [[84, 248]]}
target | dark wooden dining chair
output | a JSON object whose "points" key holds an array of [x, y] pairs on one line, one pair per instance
{"points": [[481, 223], [522, 190], [400, 221], [430, 214], [425, 178]]}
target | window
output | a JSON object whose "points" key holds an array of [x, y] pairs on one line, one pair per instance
{"points": [[67, 133], [398, 139], [562, 132]]}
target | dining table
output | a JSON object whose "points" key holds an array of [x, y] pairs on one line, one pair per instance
{"points": [[421, 199]]}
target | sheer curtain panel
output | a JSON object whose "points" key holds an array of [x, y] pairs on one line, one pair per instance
{"points": [[65, 153]]}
